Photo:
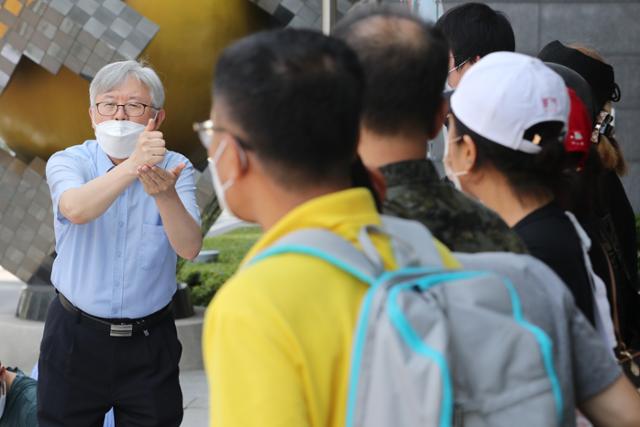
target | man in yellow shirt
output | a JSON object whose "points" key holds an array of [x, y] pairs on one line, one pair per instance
{"points": [[282, 140]]}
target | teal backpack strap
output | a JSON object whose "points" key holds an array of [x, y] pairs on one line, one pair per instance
{"points": [[328, 246], [413, 243], [413, 246]]}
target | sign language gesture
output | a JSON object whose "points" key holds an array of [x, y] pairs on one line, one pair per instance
{"points": [[151, 147], [158, 182]]}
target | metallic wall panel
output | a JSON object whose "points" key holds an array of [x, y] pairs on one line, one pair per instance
{"points": [[45, 31], [300, 13]]}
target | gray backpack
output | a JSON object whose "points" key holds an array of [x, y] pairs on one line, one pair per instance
{"points": [[439, 347]]}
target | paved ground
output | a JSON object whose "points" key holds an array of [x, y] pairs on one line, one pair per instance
{"points": [[194, 383], [195, 398]]}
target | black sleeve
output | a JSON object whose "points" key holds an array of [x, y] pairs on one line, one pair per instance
{"points": [[573, 275]]}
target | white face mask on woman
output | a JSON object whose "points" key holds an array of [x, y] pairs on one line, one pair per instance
{"points": [[451, 174], [118, 138]]}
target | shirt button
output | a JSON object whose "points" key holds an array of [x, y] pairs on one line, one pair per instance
{"points": [[118, 254], [121, 223]]}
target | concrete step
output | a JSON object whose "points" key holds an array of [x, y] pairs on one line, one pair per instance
{"points": [[20, 339]]}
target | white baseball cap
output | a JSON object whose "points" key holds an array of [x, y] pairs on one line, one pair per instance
{"points": [[505, 94]]}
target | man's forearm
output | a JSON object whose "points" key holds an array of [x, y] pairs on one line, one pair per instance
{"points": [[617, 406], [86, 203], [183, 231]]}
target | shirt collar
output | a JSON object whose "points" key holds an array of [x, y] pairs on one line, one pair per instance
{"points": [[400, 173], [103, 162]]}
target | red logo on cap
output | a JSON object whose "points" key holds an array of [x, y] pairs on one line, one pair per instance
{"points": [[576, 139]]}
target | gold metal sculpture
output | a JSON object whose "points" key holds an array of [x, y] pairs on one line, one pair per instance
{"points": [[41, 112]]}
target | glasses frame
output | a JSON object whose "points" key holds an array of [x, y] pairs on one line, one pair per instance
{"points": [[457, 67], [124, 108], [207, 129]]}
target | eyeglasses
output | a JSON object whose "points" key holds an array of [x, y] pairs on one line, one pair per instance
{"points": [[131, 109], [207, 129], [457, 67]]}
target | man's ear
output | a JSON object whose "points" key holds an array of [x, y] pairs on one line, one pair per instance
{"points": [[161, 115], [469, 152], [440, 117], [91, 118], [237, 162]]}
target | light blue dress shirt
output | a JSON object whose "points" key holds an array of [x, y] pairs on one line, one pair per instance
{"points": [[121, 264]]}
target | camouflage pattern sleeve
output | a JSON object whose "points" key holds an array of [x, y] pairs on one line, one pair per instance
{"points": [[415, 191]]}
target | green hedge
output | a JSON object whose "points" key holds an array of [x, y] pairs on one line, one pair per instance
{"points": [[205, 279]]}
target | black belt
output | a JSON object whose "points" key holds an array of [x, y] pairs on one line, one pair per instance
{"points": [[117, 328]]}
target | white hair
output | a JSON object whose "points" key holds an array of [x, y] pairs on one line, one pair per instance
{"points": [[113, 75]]}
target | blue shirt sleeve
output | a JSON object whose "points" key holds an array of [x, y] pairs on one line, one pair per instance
{"points": [[186, 187], [64, 172]]}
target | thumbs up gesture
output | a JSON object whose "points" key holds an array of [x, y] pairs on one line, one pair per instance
{"points": [[151, 147]]}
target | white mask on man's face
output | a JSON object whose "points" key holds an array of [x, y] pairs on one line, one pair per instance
{"points": [[446, 161], [456, 68], [118, 138], [219, 187]]}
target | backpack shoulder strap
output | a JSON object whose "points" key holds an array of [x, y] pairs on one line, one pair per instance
{"points": [[413, 246], [413, 243], [328, 246]]}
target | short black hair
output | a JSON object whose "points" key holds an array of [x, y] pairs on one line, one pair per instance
{"points": [[404, 60], [297, 96], [475, 29], [539, 173]]}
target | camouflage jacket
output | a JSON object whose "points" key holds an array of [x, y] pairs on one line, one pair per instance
{"points": [[415, 191]]}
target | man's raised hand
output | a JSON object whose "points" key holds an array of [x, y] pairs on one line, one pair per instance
{"points": [[157, 181], [151, 147]]}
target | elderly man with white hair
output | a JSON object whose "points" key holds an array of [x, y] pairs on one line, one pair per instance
{"points": [[124, 208]]}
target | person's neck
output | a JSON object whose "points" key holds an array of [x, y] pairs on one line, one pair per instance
{"points": [[8, 377], [378, 150], [272, 205], [116, 162], [510, 205]]}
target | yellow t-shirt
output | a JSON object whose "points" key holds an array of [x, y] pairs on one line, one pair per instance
{"points": [[277, 336]]}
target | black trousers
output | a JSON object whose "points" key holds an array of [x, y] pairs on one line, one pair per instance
{"points": [[84, 372]]}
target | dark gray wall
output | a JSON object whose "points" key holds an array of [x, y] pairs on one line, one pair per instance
{"points": [[612, 28]]}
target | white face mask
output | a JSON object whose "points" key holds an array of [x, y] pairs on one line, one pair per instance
{"points": [[447, 86], [451, 174], [118, 138], [3, 396], [220, 187]]}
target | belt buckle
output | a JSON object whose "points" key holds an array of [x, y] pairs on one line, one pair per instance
{"points": [[122, 330]]}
